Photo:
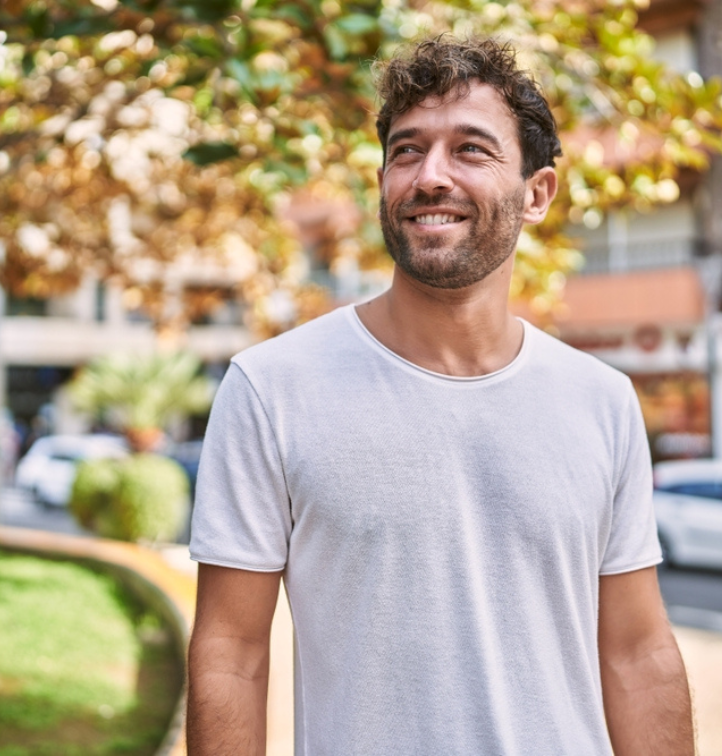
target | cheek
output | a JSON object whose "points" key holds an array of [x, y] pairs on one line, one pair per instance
{"points": [[397, 181], [390, 202]]}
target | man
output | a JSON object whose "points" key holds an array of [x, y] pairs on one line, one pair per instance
{"points": [[459, 504]]}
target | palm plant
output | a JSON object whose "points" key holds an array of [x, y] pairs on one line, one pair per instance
{"points": [[140, 395]]}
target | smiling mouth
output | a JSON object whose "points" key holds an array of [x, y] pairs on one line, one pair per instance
{"points": [[436, 219]]}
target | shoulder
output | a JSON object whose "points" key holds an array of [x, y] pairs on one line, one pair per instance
{"points": [[573, 369], [312, 344]]}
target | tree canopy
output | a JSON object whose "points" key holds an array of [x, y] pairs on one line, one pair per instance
{"points": [[140, 134]]}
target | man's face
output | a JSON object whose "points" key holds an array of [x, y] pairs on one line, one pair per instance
{"points": [[453, 199]]}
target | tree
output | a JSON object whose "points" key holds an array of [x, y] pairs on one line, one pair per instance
{"points": [[139, 133], [141, 395]]}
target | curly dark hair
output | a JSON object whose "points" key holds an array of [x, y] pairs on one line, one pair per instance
{"points": [[435, 67]]}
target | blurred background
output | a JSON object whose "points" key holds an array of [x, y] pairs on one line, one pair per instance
{"points": [[180, 179]]}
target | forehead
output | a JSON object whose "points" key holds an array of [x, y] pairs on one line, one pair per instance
{"points": [[483, 107]]}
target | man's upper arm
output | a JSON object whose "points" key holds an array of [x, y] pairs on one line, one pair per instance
{"points": [[234, 603], [631, 610], [228, 661]]}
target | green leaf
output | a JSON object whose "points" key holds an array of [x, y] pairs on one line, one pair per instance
{"points": [[357, 23], [295, 15], [335, 42], [206, 153], [266, 81], [28, 63], [40, 23], [295, 174], [144, 6], [79, 27], [240, 71], [194, 76], [207, 10], [208, 47]]}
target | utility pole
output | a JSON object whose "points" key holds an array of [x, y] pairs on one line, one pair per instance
{"points": [[714, 329]]}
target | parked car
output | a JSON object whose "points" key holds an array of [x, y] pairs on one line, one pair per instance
{"points": [[688, 506], [48, 468]]}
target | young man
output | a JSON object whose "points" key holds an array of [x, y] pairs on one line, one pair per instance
{"points": [[460, 505]]}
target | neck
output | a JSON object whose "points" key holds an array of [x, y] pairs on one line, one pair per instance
{"points": [[460, 332]]}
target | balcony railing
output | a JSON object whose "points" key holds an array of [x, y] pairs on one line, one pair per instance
{"points": [[639, 255]]}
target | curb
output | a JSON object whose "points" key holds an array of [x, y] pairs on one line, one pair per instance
{"points": [[146, 571]]}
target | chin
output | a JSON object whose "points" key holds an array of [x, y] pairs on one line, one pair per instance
{"points": [[441, 278]]}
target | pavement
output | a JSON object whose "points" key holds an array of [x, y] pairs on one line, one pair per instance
{"points": [[171, 568], [702, 654]]}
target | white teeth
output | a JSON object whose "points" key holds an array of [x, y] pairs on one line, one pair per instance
{"points": [[438, 219]]}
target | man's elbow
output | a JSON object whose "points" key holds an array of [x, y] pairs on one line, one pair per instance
{"points": [[655, 663], [226, 658]]}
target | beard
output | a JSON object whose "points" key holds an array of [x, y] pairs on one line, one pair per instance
{"points": [[446, 264]]}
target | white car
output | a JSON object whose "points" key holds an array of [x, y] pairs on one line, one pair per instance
{"points": [[688, 507], [49, 466]]}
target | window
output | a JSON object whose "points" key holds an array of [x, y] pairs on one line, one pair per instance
{"points": [[25, 306]]}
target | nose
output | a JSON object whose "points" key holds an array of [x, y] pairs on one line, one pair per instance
{"points": [[434, 174]]}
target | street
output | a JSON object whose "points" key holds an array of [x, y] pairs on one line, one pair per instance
{"points": [[18, 509], [693, 597]]}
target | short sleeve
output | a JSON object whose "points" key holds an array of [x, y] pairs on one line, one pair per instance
{"points": [[242, 516], [633, 542]]}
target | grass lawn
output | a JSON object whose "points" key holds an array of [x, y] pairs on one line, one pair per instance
{"points": [[84, 669]]}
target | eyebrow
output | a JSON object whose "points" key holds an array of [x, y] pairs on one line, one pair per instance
{"points": [[463, 129]]}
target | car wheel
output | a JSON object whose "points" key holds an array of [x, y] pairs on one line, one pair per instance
{"points": [[667, 560]]}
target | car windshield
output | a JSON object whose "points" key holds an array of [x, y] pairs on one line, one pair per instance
{"points": [[707, 489]]}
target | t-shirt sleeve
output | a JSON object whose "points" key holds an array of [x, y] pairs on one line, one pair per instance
{"points": [[633, 542], [242, 516]]}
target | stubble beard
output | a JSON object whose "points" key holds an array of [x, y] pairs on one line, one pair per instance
{"points": [[444, 264]]}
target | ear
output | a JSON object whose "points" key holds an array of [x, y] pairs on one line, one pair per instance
{"points": [[540, 191]]}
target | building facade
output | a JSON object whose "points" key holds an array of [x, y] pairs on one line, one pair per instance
{"points": [[43, 342], [648, 297]]}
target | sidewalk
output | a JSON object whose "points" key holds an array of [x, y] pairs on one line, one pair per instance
{"points": [[172, 570], [702, 653]]}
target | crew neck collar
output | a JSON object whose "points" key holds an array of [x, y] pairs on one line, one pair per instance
{"points": [[402, 362]]}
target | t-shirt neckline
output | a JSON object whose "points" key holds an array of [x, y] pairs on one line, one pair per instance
{"points": [[388, 354]]}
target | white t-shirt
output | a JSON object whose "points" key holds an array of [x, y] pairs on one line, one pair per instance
{"points": [[442, 538]]}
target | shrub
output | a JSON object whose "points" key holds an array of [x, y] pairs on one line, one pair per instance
{"points": [[91, 499], [141, 497]]}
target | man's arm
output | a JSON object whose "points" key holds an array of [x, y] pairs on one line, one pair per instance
{"points": [[646, 695], [228, 662]]}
